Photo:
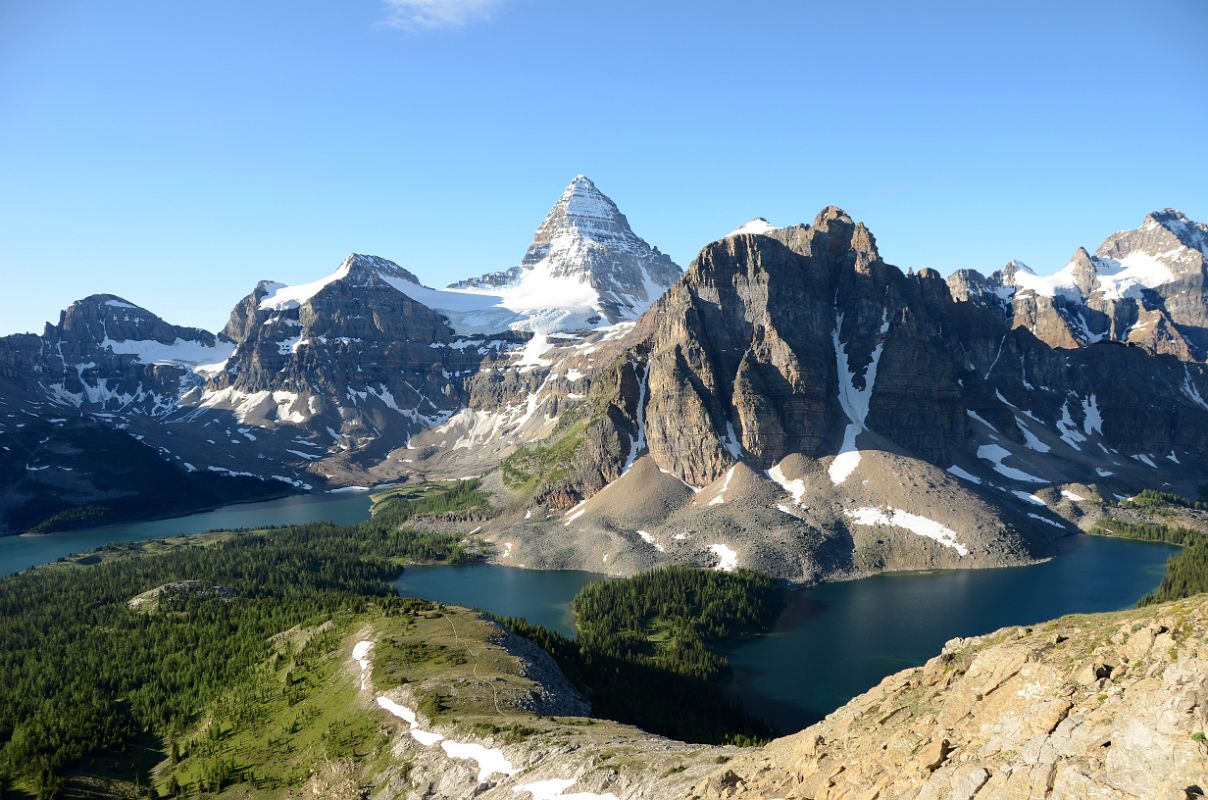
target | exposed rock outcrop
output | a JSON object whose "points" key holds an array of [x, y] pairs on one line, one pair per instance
{"points": [[1093, 706]]}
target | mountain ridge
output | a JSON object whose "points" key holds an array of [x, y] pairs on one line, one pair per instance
{"points": [[791, 403]]}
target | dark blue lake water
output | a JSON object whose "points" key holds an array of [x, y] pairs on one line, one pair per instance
{"points": [[837, 640], [19, 552]]}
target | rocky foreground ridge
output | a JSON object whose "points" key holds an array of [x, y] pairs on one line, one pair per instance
{"points": [[1090, 706], [1098, 706]]}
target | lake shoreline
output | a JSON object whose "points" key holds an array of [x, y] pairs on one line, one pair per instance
{"points": [[161, 517]]}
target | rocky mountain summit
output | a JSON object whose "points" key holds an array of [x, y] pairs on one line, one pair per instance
{"points": [[111, 355], [1144, 287], [585, 267]]}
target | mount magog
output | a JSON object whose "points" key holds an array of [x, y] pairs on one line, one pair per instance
{"points": [[790, 402]]}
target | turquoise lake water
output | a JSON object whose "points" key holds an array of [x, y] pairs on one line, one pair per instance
{"points": [[832, 642]]}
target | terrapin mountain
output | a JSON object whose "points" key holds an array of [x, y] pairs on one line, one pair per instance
{"points": [[791, 402]]}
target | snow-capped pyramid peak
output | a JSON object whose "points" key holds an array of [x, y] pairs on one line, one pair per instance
{"points": [[583, 211], [585, 267]]}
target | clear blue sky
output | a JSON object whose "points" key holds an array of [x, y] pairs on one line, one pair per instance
{"points": [[176, 152]]}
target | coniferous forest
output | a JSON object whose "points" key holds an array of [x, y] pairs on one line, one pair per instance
{"points": [[137, 640]]}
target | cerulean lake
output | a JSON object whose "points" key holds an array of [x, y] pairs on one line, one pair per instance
{"points": [[832, 642]]}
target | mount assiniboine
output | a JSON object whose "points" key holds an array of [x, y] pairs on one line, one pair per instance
{"points": [[790, 402]]}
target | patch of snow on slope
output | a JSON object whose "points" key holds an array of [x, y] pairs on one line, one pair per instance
{"points": [[1028, 497], [555, 789], [897, 518], [757, 225], [731, 443], [995, 454], [975, 416], [638, 443], [360, 653], [281, 297], [1046, 520], [182, 352], [1030, 440], [848, 458], [964, 474], [1144, 459], [490, 760], [575, 512], [1069, 431], [853, 401], [1068, 495], [1191, 392], [648, 539], [795, 488], [727, 559], [721, 496], [1092, 420], [534, 348]]}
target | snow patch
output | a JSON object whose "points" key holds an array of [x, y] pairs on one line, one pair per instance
{"points": [[995, 454], [727, 559], [757, 225], [897, 518], [796, 488], [964, 474], [848, 458], [1028, 497], [555, 789]]}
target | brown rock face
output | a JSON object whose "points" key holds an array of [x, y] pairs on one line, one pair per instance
{"points": [[773, 344], [744, 350]]}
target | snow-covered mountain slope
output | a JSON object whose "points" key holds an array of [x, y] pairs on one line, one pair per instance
{"points": [[114, 356], [467, 313], [1144, 286], [585, 268]]}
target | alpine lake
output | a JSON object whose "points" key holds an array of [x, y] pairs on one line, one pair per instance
{"points": [[832, 642]]}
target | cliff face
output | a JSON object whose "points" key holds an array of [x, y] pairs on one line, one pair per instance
{"points": [[1102, 706]]}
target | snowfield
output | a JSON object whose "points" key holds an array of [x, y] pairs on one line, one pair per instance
{"points": [[897, 518], [727, 559]]}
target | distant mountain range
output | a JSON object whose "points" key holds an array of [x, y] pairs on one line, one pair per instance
{"points": [[790, 402]]}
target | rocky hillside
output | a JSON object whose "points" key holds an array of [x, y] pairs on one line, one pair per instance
{"points": [[1109, 705], [1105, 706]]}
